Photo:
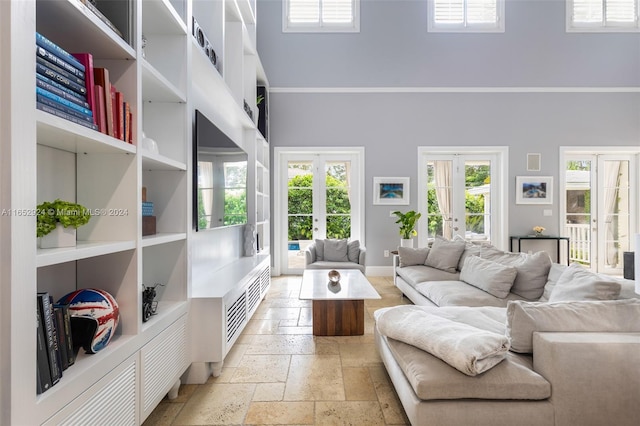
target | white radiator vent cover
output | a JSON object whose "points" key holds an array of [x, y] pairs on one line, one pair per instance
{"points": [[265, 279], [236, 316], [115, 404], [253, 294], [164, 359]]}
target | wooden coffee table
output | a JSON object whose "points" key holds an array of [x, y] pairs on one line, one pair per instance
{"points": [[338, 310]]}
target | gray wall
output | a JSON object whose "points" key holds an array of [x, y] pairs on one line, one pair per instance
{"points": [[394, 49]]}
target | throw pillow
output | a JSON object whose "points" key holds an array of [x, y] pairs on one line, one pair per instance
{"points": [[533, 270], [470, 249], [445, 254], [336, 250], [353, 251], [577, 283], [412, 256], [525, 318], [319, 250], [492, 277]]}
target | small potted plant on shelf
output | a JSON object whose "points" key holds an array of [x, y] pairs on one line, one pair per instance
{"points": [[57, 222], [407, 223], [538, 231]]}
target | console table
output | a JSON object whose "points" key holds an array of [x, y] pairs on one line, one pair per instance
{"points": [[519, 240]]}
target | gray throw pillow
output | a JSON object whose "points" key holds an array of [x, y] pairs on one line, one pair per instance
{"points": [[525, 318], [319, 250], [445, 254], [336, 250], [578, 283], [353, 251], [410, 256], [492, 277]]}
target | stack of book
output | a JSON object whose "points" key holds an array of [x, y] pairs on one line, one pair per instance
{"points": [[55, 348], [62, 83]]}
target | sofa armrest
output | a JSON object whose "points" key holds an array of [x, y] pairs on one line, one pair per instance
{"points": [[595, 377], [310, 254], [362, 256]]}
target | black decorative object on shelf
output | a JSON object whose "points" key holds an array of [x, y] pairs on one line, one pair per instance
{"points": [[204, 44], [248, 110], [263, 113], [149, 304]]}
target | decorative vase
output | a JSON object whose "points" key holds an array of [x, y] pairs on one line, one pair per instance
{"points": [[249, 240], [406, 242], [59, 237]]}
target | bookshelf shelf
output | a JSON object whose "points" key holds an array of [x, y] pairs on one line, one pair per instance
{"points": [[153, 161], [162, 238], [161, 17], [83, 250], [156, 88]]}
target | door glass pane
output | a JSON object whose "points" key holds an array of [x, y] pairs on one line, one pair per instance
{"points": [[578, 220], [299, 211], [477, 200], [616, 212], [338, 199], [439, 198]]}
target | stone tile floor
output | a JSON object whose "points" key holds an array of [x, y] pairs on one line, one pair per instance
{"points": [[278, 373]]}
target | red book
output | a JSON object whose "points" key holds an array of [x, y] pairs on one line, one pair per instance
{"points": [[119, 112], [130, 140], [101, 76], [115, 112], [99, 114], [86, 59], [127, 122]]}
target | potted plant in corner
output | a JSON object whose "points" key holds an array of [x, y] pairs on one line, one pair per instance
{"points": [[407, 223], [57, 222]]}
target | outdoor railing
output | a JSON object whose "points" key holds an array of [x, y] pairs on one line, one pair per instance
{"points": [[579, 242]]}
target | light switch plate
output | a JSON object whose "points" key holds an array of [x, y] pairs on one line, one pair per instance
{"points": [[547, 212]]}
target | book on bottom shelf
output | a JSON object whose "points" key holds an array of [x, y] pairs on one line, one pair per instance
{"points": [[62, 339], [57, 89], [60, 79], [46, 314], [87, 61], [101, 78], [43, 382], [75, 83], [62, 114], [100, 113], [66, 328], [58, 106]]}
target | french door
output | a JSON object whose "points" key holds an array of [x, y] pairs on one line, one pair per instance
{"points": [[461, 195], [600, 193], [319, 196]]}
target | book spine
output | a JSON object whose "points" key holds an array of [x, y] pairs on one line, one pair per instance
{"points": [[101, 76], [58, 91], [114, 112], [130, 115], [47, 44], [56, 345], [62, 114], [127, 122], [54, 67], [44, 53], [87, 61], [78, 108], [60, 79], [71, 357], [45, 304], [42, 355], [100, 114], [53, 104], [62, 343], [120, 112]]}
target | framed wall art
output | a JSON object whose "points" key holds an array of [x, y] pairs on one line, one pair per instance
{"points": [[534, 189], [391, 190]]}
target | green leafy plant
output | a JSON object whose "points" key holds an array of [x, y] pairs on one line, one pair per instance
{"points": [[50, 213], [259, 99], [407, 223]]}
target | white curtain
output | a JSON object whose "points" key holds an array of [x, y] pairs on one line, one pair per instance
{"points": [[611, 184], [205, 182], [442, 173]]}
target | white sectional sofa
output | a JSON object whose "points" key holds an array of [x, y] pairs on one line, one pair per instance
{"points": [[573, 340]]}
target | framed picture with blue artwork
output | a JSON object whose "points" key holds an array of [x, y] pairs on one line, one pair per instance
{"points": [[391, 190], [534, 189]]}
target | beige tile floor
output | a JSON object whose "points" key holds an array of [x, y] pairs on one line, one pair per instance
{"points": [[278, 373]]}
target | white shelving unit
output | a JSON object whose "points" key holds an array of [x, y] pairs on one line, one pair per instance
{"points": [[43, 157]]}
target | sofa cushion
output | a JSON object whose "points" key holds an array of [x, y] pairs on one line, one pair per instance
{"points": [[492, 277], [445, 254], [324, 264], [470, 249], [336, 250], [431, 378], [410, 256], [554, 273], [533, 270], [459, 293], [353, 251], [415, 275], [525, 318], [577, 283], [319, 250]]}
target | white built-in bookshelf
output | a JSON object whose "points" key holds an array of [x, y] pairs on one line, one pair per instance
{"points": [[43, 157]]}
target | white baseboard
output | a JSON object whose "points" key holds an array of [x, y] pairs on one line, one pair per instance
{"points": [[379, 271]]}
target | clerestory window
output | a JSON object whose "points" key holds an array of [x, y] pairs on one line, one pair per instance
{"points": [[602, 15], [466, 16], [321, 16]]}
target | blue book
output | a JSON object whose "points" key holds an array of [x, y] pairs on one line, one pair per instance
{"points": [[62, 114], [44, 53], [60, 71], [53, 87], [60, 79], [53, 104], [63, 101], [47, 44]]}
